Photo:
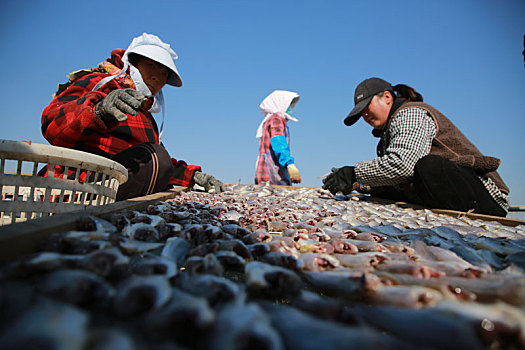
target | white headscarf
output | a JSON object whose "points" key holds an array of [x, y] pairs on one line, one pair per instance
{"points": [[277, 103]]}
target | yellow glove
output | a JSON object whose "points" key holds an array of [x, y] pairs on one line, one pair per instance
{"points": [[294, 173]]}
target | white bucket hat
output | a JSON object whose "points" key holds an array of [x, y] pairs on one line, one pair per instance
{"points": [[150, 46]]}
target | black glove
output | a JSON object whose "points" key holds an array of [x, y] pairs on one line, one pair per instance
{"points": [[208, 182], [340, 180], [118, 103]]}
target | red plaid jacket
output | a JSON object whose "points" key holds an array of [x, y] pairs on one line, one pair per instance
{"points": [[70, 121], [274, 126]]}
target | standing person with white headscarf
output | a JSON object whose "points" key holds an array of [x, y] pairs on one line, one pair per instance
{"points": [[274, 163], [107, 111]]}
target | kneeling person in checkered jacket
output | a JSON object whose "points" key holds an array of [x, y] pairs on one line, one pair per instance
{"points": [[422, 157]]}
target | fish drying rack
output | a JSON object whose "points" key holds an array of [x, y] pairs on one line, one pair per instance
{"points": [[26, 195], [19, 243]]}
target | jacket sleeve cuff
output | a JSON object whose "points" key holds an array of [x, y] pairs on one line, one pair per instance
{"points": [[183, 173]]}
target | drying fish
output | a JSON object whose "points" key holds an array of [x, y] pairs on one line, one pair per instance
{"points": [[256, 237], [283, 260], [318, 261], [398, 247], [405, 296], [270, 280], [235, 230], [445, 260], [459, 282], [215, 289], [348, 285], [517, 260], [365, 259], [207, 234], [209, 264], [102, 339], [231, 215], [76, 287], [155, 265], [92, 223], [142, 232], [104, 262], [367, 246], [33, 264], [77, 243], [258, 249], [499, 324], [185, 318], [137, 217], [234, 245], [230, 260], [313, 246], [203, 249], [176, 249], [119, 220], [510, 289], [413, 268], [301, 331], [138, 294], [343, 246], [427, 328], [243, 325], [167, 230], [322, 307], [498, 245], [132, 246], [50, 323]]}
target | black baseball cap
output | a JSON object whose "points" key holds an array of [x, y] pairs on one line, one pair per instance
{"points": [[364, 92]]}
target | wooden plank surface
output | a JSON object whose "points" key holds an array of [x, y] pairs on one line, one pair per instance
{"points": [[23, 237]]}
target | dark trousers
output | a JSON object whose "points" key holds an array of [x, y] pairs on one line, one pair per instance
{"points": [[149, 170], [442, 184]]}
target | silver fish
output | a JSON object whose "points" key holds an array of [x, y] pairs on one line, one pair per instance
{"points": [[152, 264], [209, 264], [405, 296], [113, 338], [176, 249], [281, 259], [319, 261], [185, 318], [427, 328], [273, 281], [76, 287], [142, 232], [351, 285], [302, 331], [216, 290], [132, 246], [365, 259], [138, 294], [243, 325], [230, 260], [53, 324]]}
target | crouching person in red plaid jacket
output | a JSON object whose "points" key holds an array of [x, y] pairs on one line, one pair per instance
{"points": [[107, 111]]}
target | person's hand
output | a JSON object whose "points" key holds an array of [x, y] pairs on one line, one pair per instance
{"points": [[294, 173], [118, 103], [340, 180], [208, 182]]}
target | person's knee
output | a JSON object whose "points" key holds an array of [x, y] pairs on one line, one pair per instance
{"points": [[430, 161]]}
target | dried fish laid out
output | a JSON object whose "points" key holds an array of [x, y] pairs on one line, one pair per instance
{"points": [[270, 268]]}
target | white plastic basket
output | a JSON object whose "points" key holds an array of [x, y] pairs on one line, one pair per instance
{"points": [[25, 195]]}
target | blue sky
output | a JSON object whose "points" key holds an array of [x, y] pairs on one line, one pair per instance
{"points": [[463, 56]]}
